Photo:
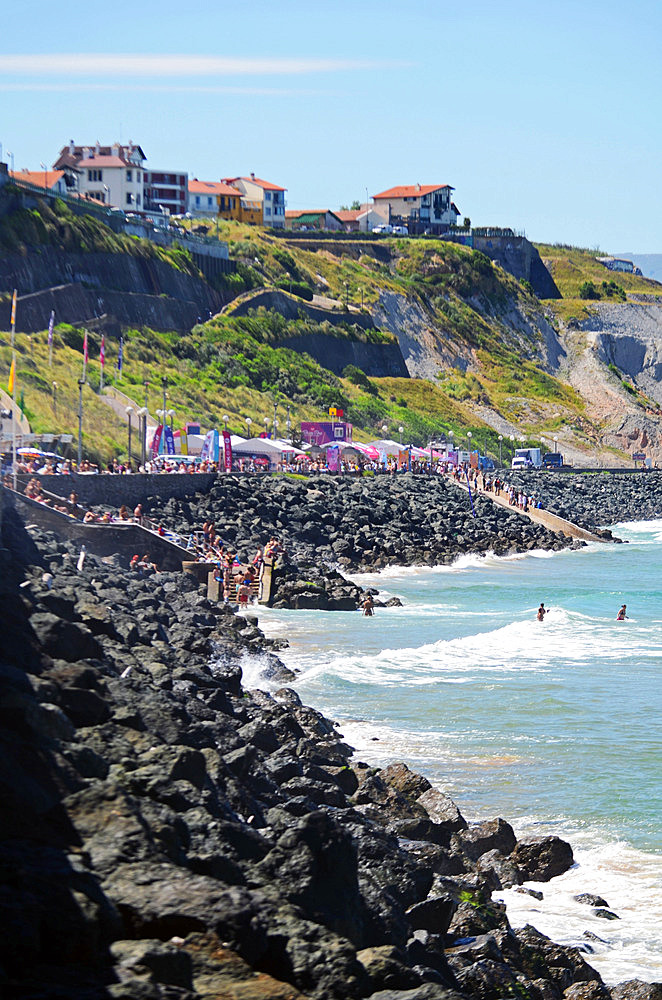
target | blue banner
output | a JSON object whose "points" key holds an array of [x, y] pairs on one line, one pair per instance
{"points": [[169, 441]]}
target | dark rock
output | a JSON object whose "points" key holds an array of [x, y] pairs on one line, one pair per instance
{"points": [[605, 914], [590, 899], [635, 989], [534, 893], [543, 858], [491, 835]]}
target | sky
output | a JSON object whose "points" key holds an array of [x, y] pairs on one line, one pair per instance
{"points": [[543, 117]]}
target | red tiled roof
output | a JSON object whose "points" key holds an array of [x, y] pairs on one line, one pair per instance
{"points": [[349, 214], [265, 185], [411, 190], [211, 187], [39, 178], [104, 161]]}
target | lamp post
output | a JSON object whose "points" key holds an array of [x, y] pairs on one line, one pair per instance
{"points": [[164, 383], [384, 429], [225, 419], [451, 435], [500, 440], [275, 434], [81, 383], [266, 426], [248, 425], [44, 168], [400, 432], [129, 411], [142, 414], [171, 414], [55, 399], [512, 447], [469, 436]]}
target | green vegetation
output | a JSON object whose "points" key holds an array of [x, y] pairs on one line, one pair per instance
{"points": [[54, 224], [572, 266], [610, 290]]}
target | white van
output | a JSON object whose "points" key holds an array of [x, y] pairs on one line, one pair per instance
{"points": [[400, 231], [383, 228]]}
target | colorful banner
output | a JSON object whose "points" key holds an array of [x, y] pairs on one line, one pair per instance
{"points": [[51, 323], [320, 432], [86, 353], [183, 442], [13, 308], [332, 457], [156, 440], [12, 377], [169, 441], [227, 451], [120, 357], [207, 445], [216, 446], [102, 352]]}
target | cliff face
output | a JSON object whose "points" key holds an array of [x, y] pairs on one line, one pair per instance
{"points": [[81, 286]]}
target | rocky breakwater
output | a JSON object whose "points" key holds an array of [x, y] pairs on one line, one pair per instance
{"points": [[167, 834], [593, 500], [357, 524]]}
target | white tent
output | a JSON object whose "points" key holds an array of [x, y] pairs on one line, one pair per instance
{"points": [[388, 447], [265, 446]]}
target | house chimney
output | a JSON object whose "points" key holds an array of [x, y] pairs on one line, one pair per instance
{"points": [[72, 147], [418, 187], [97, 148], [252, 176], [86, 152]]}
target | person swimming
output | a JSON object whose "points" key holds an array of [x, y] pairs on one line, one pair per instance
{"points": [[542, 611], [621, 616]]}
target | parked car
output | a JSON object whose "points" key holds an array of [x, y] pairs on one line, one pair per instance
{"points": [[383, 228], [400, 231]]}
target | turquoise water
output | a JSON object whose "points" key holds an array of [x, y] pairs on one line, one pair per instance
{"points": [[553, 725]]}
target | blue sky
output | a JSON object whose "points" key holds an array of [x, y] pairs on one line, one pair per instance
{"points": [[543, 117]]}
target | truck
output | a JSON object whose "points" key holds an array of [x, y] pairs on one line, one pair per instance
{"points": [[552, 460], [526, 458]]}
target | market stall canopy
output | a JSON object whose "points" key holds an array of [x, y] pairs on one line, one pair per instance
{"points": [[360, 449], [386, 447], [265, 446]]}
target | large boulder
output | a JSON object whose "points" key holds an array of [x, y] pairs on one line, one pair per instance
{"points": [[542, 858]]}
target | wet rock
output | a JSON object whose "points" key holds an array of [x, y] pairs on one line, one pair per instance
{"points": [[635, 989], [543, 858], [605, 914], [491, 835], [590, 899]]}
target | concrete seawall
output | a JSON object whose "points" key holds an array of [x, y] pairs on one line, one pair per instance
{"points": [[116, 490]]}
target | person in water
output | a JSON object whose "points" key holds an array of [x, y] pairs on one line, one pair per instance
{"points": [[541, 612], [368, 606], [621, 616]]}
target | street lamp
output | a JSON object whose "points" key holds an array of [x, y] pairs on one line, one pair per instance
{"points": [[275, 429], [171, 414], [512, 446], [129, 411], [142, 414], [384, 429], [44, 168], [469, 436], [248, 425], [500, 440], [225, 419], [55, 399], [164, 383], [400, 432]]}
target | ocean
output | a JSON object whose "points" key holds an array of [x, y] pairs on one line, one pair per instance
{"points": [[556, 726]]}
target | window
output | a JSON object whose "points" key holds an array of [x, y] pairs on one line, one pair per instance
{"points": [[267, 210], [94, 175], [137, 199], [129, 198], [129, 175], [267, 195], [197, 200], [209, 201]]}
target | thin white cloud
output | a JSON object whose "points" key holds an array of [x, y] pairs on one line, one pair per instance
{"points": [[59, 86], [137, 65]]}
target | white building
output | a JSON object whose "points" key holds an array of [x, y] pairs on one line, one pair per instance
{"points": [[112, 175], [420, 207], [270, 196]]}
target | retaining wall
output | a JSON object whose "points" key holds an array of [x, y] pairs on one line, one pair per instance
{"points": [[115, 490]]}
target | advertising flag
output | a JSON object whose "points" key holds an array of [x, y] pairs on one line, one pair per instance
{"points": [[12, 377], [227, 451], [50, 328], [156, 441], [205, 452], [86, 353], [215, 446], [332, 456], [120, 357], [13, 308], [183, 438], [102, 351], [168, 441]]}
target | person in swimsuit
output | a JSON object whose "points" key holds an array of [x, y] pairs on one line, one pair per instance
{"points": [[621, 616], [541, 613]]}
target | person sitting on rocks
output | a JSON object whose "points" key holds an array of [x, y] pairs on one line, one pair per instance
{"points": [[123, 514], [133, 565], [138, 514], [90, 517], [147, 565]]}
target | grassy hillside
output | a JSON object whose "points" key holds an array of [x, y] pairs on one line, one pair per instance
{"points": [[236, 366], [572, 266]]}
